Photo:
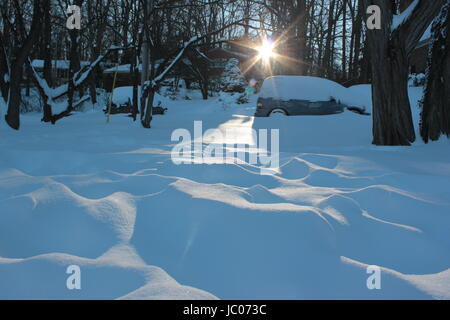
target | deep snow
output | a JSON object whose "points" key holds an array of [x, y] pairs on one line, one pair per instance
{"points": [[108, 198]]}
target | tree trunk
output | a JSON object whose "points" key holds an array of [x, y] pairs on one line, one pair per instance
{"points": [[4, 70], [74, 62], [204, 86], [148, 112], [12, 118], [392, 118], [135, 77], [326, 62], [301, 28], [47, 56], [356, 70], [390, 49], [435, 116], [20, 55], [147, 97]]}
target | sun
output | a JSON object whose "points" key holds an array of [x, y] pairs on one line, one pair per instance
{"points": [[266, 50]]}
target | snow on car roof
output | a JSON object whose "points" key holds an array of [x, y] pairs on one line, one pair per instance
{"points": [[301, 88]]}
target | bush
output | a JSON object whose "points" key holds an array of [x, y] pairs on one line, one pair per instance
{"points": [[232, 79]]}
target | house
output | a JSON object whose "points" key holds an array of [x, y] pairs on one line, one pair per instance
{"points": [[124, 77], [217, 58], [60, 69]]}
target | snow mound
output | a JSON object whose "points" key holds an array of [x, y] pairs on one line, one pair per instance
{"points": [[118, 274], [54, 219], [109, 199]]}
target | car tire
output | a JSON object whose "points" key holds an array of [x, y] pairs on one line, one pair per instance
{"points": [[277, 112]]}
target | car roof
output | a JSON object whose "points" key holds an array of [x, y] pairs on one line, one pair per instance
{"points": [[300, 88]]}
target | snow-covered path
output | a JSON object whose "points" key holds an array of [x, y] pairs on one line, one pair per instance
{"points": [[109, 199]]}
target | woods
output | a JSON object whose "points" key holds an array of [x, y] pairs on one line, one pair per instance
{"points": [[326, 38]]}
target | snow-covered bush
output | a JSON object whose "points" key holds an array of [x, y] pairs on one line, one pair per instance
{"points": [[175, 89], [232, 79]]}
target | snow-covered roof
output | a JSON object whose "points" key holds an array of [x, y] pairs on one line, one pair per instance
{"points": [[231, 52], [125, 68], [56, 64], [121, 69]]}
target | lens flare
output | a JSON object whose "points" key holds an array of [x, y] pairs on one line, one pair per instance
{"points": [[266, 50]]}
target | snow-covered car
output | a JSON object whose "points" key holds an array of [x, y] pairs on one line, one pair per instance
{"points": [[301, 95]]}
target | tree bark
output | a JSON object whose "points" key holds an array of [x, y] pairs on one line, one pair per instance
{"points": [[435, 116], [390, 51], [47, 56], [74, 61], [326, 62], [20, 55], [4, 69], [146, 97], [392, 118]]}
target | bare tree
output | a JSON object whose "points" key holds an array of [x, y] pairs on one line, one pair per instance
{"points": [[22, 45]]}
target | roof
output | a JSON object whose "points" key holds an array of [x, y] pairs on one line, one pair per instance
{"points": [[227, 52], [125, 68], [56, 64]]}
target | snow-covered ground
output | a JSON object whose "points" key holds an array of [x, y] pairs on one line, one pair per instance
{"points": [[108, 198]]}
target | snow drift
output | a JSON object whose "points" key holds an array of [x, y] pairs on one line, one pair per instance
{"points": [[109, 199]]}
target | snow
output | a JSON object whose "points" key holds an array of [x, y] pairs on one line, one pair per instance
{"points": [[314, 89], [3, 106], [108, 198], [427, 34], [401, 18], [125, 68], [56, 64], [121, 95]]}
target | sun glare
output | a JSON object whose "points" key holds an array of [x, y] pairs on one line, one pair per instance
{"points": [[266, 50]]}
